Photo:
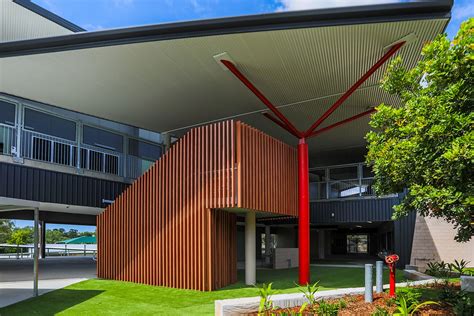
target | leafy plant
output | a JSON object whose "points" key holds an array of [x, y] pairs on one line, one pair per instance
{"points": [[459, 266], [265, 292], [464, 306], [309, 291], [438, 269], [405, 308], [328, 309], [416, 145], [380, 311], [409, 295]]}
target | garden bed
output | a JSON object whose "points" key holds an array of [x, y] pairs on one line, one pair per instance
{"points": [[446, 296]]}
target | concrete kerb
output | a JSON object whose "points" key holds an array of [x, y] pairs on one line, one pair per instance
{"points": [[239, 306]]}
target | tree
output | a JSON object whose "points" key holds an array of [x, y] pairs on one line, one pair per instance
{"points": [[426, 144], [21, 236], [6, 229], [54, 235]]}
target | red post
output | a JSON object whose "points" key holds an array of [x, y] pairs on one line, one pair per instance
{"points": [[303, 218], [392, 281]]}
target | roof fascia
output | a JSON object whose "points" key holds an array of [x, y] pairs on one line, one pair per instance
{"points": [[27, 4], [393, 12]]}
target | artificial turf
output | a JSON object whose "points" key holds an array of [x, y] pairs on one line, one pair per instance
{"points": [[105, 297]]}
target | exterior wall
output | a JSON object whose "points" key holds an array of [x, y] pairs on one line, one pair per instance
{"points": [[20, 182], [434, 241], [268, 174], [19, 23], [364, 210], [168, 228]]}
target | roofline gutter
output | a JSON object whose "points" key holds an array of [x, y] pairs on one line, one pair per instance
{"points": [[27, 4], [417, 10]]}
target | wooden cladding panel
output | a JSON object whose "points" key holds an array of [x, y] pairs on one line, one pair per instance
{"points": [[267, 170], [168, 228]]}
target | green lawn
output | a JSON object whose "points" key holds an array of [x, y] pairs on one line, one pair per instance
{"points": [[104, 297]]}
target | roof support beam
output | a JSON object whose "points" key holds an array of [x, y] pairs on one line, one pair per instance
{"points": [[260, 95], [347, 120], [280, 123], [354, 87]]}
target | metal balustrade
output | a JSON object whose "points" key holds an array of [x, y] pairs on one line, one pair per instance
{"points": [[51, 149], [338, 189], [7, 139]]}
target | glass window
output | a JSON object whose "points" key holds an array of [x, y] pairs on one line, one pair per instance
{"points": [[101, 138], [317, 175], [144, 150], [50, 125], [343, 173], [357, 243], [7, 113], [367, 172]]}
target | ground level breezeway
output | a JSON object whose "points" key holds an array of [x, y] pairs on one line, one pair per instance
{"points": [[93, 297]]}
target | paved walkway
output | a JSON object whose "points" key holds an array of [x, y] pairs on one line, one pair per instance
{"points": [[16, 276]]}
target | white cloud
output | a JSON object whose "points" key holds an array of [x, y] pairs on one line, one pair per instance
{"points": [[464, 11], [293, 5]]}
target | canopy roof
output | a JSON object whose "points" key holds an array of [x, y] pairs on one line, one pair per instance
{"points": [[164, 77], [80, 240]]}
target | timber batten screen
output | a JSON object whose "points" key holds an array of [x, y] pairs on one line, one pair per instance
{"points": [[170, 228]]}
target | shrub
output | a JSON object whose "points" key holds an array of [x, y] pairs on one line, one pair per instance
{"points": [[266, 304], [459, 266]]}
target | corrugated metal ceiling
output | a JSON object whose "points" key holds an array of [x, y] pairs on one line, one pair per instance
{"points": [[173, 84]]}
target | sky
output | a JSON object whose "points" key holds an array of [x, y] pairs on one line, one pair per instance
{"points": [[94, 15]]}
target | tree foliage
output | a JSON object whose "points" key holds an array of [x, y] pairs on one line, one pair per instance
{"points": [[6, 229], [21, 236], [426, 145]]}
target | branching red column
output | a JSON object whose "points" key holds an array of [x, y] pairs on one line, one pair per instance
{"points": [[303, 216]]}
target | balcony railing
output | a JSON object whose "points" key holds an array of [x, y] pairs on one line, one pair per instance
{"points": [[338, 189], [55, 150], [7, 139]]}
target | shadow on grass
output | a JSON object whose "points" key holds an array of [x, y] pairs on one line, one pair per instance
{"points": [[50, 303], [328, 277]]}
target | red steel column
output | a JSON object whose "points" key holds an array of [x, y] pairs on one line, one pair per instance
{"points": [[303, 216]]}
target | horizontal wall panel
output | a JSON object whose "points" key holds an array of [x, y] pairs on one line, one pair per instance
{"points": [[353, 211], [172, 226], [27, 183]]}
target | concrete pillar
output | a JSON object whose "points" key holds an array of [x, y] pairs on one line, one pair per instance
{"points": [[166, 141], [368, 283], [379, 276], [35, 251], [250, 251], [268, 243]]}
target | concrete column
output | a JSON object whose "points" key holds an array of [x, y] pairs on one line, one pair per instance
{"points": [[35, 251], [379, 276], [268, 243], [368, 283], [166, 141], [250, 251]]}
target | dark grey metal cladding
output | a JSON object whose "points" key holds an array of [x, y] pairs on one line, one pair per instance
{"points": [[365, 210], [404, 230], [52, 217], [21, 182], [353, 211]]}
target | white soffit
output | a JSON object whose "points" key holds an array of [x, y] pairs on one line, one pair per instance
{"points": [[169, 85]]}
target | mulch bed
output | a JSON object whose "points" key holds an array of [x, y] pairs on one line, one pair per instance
{"points": [[356, 305]]}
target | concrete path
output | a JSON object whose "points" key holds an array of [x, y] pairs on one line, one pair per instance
{"points": [[13, 292], [16, 276]]}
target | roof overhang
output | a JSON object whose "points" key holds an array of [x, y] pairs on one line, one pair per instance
{"points": [[164, 77]]}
